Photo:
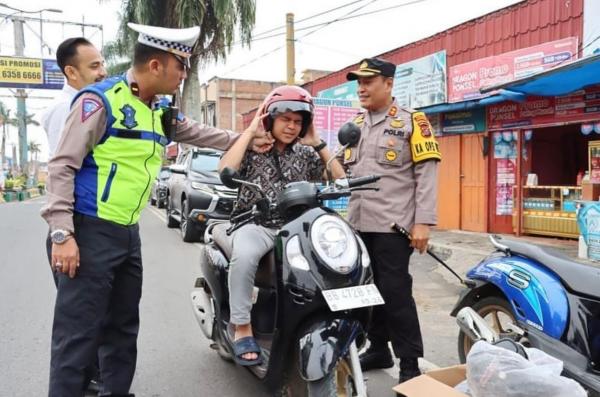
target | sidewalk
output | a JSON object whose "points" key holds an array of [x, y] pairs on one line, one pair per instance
{"points": [[462, 250]]}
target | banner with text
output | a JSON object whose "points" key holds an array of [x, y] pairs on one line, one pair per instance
{"points": [[330, 114], [466, 79], [16, 72], [583, 105], [421, 82]]}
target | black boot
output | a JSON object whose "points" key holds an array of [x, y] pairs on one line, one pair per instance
{"points": [[409, 368], [377, 356]]}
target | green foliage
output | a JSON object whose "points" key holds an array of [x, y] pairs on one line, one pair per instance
{"points": [[218, 20]]}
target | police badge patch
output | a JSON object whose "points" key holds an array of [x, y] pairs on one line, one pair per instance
{"points": [[128, 117], [89, 106]]}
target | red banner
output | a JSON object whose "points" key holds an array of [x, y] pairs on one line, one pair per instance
{"points": [[581, 106], [466, 79]]}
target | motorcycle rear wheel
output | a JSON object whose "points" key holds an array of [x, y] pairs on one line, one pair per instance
{"points": [[497, 312]]}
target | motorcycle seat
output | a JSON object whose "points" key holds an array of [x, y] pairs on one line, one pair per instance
{"points": [[265, 274], [578, 276]]}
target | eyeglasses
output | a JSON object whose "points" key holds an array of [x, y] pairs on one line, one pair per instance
{"points": [[184, 61]]}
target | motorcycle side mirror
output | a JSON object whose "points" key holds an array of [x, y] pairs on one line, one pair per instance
{"points": [[349, 134], [229, 177]]}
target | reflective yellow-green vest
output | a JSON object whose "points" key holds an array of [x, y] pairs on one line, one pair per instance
{"points": [[115, 178]]}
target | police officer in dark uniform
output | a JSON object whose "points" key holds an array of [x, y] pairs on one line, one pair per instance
{"points": [[398, 144]]}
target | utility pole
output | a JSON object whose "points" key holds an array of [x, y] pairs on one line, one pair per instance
{"points": [[21, 95], [291, 62]]}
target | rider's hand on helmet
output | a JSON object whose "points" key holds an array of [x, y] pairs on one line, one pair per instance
{"points": [[263, 141], [312, 137]]}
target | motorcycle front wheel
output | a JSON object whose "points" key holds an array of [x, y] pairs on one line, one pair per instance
{"points": [[338, 383]]}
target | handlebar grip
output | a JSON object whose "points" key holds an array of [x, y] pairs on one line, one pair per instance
{"points": [[363, 180]]}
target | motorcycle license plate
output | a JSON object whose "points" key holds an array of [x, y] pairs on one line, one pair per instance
{"points": [[352, 297]]}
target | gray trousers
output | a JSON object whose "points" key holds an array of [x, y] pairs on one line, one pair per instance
{"points": [[250, 243]]}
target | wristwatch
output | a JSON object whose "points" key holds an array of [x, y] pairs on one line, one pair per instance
{"points": [[59, 236], [320, 146]]}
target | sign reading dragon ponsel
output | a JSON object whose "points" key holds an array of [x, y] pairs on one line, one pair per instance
{"points": [[17, 72]]}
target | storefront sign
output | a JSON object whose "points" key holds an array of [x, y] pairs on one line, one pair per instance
{"points": [[348, 90], [466, 121], [580, 106], [330, 115], [421, 82], [30, 73], [505, 181], [466, 79]]}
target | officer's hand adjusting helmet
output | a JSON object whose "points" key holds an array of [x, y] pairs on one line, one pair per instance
{"points": [[289, 98]]}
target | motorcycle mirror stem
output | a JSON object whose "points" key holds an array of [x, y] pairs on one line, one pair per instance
{"points": [[328, 165]]}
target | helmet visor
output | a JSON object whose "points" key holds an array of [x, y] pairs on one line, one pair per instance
{"points": [[288, 106]]}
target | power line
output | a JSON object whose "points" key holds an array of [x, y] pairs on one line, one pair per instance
{"points": [[310, 17], [322, 24], [254, 60], [348, 16], [338, 19]]}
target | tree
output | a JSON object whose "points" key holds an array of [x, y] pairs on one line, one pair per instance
{"points": [[4, 120], [218, 20], [34, 149]]}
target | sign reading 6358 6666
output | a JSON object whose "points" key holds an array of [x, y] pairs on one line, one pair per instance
{"points": [[16, 72]]}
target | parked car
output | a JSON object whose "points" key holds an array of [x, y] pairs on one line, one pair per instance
{"points": [[158, 194], [195, 184]]}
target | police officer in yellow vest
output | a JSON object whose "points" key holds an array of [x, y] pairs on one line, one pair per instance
{"points": [[398, 144], [99, 181]]}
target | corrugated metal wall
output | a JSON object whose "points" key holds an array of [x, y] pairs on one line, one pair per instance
{"points": [[519, 26]]}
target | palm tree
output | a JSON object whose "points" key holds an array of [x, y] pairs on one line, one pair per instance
{"points": [[4, 120], [218, 20], [34, 149]]}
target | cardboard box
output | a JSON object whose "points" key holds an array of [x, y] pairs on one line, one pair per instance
{"points": [[435, 383], [590, 191]]}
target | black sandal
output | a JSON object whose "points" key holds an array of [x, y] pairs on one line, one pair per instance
{"points": [[246, 345]]}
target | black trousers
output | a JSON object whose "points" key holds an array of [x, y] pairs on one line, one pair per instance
{"points": [[397, 319], [97, 312]]}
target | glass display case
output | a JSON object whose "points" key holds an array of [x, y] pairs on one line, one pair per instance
{"points": [[549, 210]]}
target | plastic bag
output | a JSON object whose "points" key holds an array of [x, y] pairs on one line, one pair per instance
{"points": [[496, 372]]}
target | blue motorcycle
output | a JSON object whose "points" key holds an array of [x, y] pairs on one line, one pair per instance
{"points": [[541, 298]]}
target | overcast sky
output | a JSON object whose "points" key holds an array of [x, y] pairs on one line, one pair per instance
{"points": [[331, 47]]}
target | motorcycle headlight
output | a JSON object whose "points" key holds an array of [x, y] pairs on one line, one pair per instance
{"points": [[334, 243]]}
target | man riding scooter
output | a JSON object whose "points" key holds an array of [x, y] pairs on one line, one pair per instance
{"points": [[298, 154]]}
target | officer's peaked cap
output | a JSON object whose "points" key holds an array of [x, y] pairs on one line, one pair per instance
{"points": [[372, 67], [176, 41]]}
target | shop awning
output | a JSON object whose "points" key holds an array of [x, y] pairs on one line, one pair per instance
{"points": [[560, 80], [496, 97]]}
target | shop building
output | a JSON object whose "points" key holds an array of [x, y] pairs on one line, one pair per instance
{"points": [[482, 134]]}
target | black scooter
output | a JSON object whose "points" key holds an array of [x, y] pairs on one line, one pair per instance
{"points": [[313, 292]]}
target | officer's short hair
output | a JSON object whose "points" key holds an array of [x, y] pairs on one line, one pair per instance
{"points": [[66, 53], [142, 54]]}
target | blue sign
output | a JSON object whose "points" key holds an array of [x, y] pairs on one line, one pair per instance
{"points": [[18, 72], [464, 121]]}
